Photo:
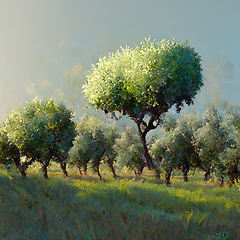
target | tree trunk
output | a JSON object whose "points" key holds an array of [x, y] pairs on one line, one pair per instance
{"points": [[98, 172], [44, 168], [194, 170], [168, 176], [110, 164], [185, 173], [138, 172], [79, 169], [19, 167], [232, 181], [207, 175], [17, 160], [64, 168], [222, 181], [85, 169], [98, 164], [147, 156]]}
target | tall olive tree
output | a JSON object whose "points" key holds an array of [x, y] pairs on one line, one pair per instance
{"points": [[144, 82]]}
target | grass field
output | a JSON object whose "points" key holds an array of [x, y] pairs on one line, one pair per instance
{"points": [[85, 208]]}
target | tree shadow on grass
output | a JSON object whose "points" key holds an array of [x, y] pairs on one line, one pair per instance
{"points": [[36, 208]]}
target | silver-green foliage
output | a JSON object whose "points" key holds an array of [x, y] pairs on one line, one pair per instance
{"points": [[130, 151], [177, 148], [229, 165], [152, 75], [43, 130], [211, 139], [94, 143]]}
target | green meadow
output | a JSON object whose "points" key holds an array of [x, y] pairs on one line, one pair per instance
{"points": [[82, 207]]}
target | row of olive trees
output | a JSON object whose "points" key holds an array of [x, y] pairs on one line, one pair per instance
{"points": [[99, 143], [44, 131], [210, 143]]}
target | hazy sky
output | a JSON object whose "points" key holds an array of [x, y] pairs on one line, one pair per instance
{"points": [[46, 46]]}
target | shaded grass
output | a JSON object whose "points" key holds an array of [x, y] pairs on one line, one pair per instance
{"points": [[85, 208]]}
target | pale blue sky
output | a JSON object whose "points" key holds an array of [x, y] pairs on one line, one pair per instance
{"points": [[43, 43]]}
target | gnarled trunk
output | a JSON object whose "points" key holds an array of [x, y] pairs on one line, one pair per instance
{"points": [[168, 176], [110, 164], [44, 168], [222, 181], [98, 164], [19, 166], [138, 172], [79, 169], [85, 169], [98, 172], [64, 168], [147, 156], [207, 175], [185, 170]]}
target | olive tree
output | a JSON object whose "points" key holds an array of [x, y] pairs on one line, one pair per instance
{"points": [[144, 82], [211, 140], [229, 165], [229, 160], [93, 145], [10, 154], [177, 148], [130, 152], [42, 131], [183, 137], [80, 152]]}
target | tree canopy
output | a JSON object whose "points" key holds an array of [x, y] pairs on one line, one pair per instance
{"points": [[149, 78]]}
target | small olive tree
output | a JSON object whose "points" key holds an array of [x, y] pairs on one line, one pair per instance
{"points": [[177, 148], [93, 145], [10, 154], [42, 131], [229, 160], [130, 152], [144, 82], [229, 164], [211, 140]]}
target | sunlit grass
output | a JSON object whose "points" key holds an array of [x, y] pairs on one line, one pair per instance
{"points": [[82, 207]]}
